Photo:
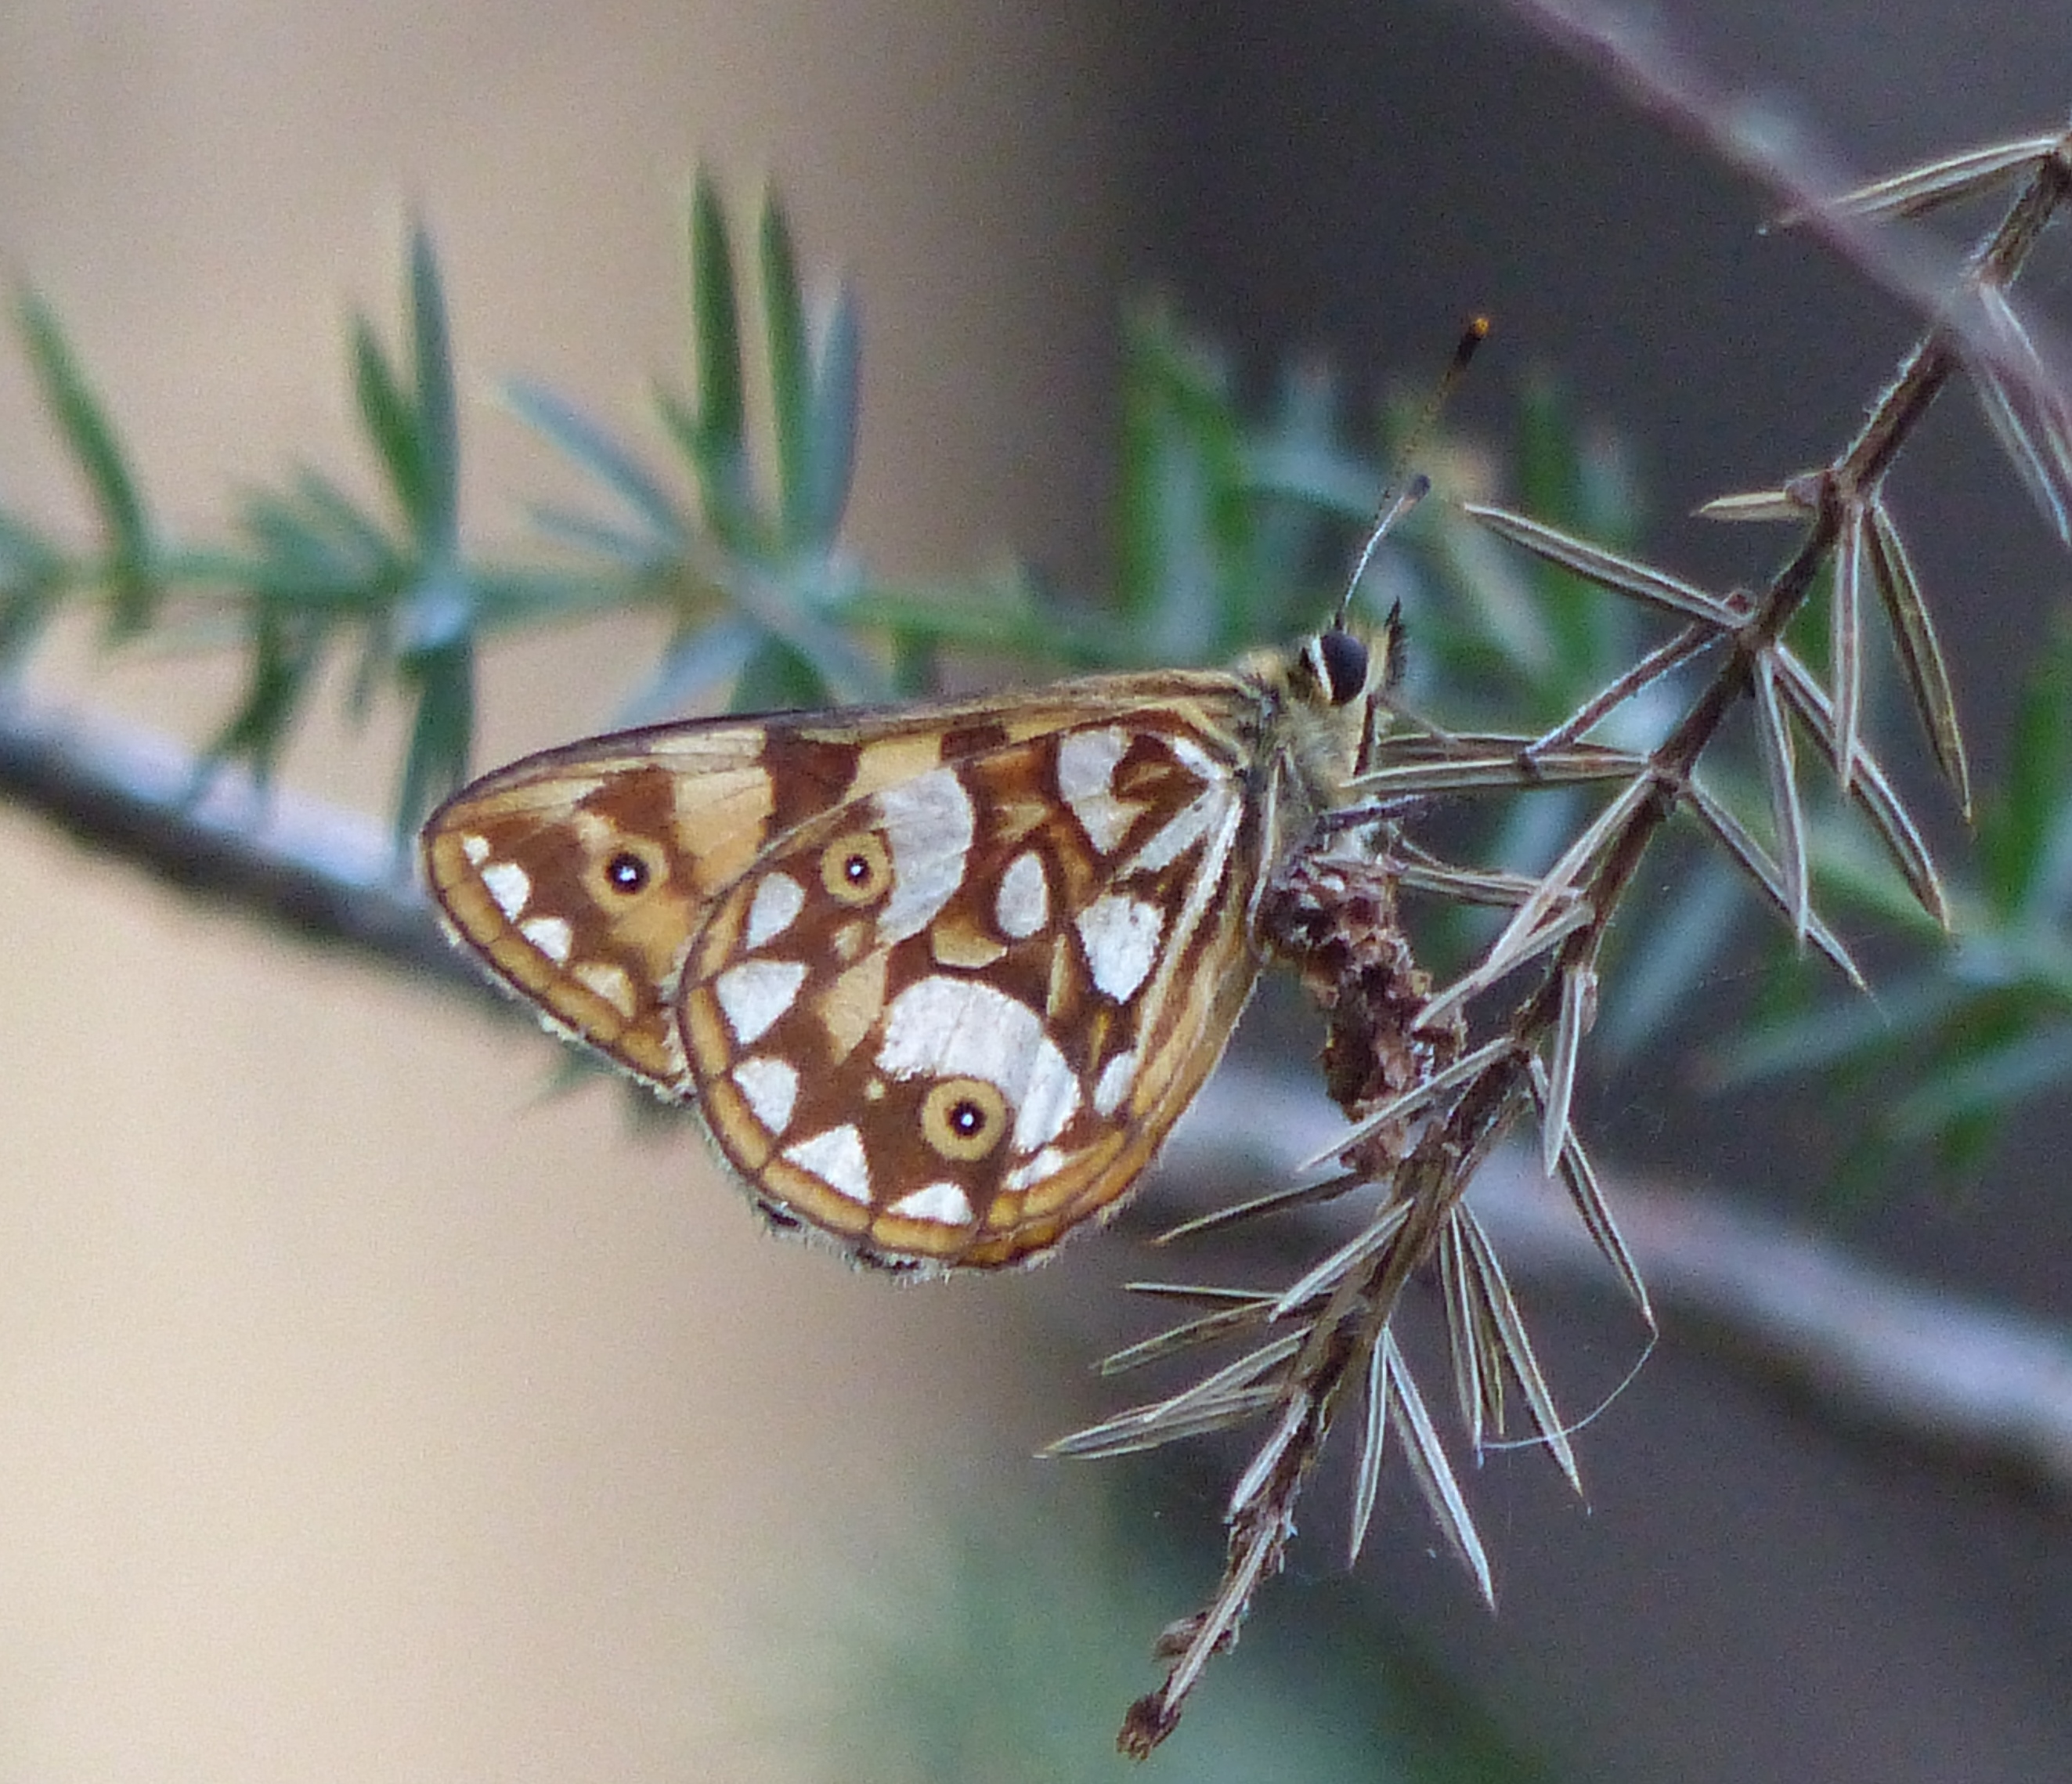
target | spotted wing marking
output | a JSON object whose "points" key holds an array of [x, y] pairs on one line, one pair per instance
{"points": [[1086, 763], [778, 901], [940, 1204], [754, 994], [1021, 906], [520, 864], [927, 827], [938, 979], [946, 1027], [837, 1159], [771, 1087], [1121, 937], [997, 1056]]}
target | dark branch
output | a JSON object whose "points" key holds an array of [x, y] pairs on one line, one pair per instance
{"points": [[307, 868]]}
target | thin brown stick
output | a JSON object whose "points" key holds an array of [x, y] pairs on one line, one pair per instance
{"points": [[1424, 1190]]}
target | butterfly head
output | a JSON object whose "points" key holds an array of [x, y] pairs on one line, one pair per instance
{"points": [[1336, 675], [1347, 668], [1331, 708], [1340, 667]]}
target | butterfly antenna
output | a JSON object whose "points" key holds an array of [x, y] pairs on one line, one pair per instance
{"points": [[1399, 494], [1394, 504]]}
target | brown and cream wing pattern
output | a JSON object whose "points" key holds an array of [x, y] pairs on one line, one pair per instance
{"points": [[951, 1018], [578, 875]]}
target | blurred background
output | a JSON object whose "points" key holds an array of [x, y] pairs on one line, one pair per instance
{"points": [[367, 1411]]}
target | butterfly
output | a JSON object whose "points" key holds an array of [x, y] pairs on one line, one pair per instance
{"points": [[938, 978]]}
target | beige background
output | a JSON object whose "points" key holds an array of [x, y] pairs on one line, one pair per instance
{"points": [[364, 1413]]}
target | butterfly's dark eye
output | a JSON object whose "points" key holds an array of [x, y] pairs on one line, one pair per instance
{"points": [[625, 873], [1343, 661]]}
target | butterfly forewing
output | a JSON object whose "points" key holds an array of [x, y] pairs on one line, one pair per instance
{"points": [[578, 876]]}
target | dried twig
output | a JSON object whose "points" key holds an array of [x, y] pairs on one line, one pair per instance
{"points": [[1427, 1108], [1963, 1378], [310, 869]]}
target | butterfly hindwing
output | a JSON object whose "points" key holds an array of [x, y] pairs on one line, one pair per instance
{"points": [[947, 1019]]}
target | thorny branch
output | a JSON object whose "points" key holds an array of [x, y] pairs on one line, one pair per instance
{"points": [[1331, 1335], [1626, 45], [1889, 1356]]}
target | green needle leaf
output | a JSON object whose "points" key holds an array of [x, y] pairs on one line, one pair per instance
{"points": [[89, 433], [791, 374]]}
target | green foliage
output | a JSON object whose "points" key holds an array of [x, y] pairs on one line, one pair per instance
{"points": [[127, 567], [1959, 1038], [1230, 528]]}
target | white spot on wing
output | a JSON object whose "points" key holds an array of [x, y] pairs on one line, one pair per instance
{"points": [[1046, 1163], [928, 823], [938, 1202], [1206, 879], [755, 993], [771, 1088], [777, 900], [1116, 1076], [551, 936], [1121, 937], [476, 849], [510, 884], [1022, 905], [953, 1028], [611, 982], [1047, 1104], [836, 1158], [1086, 763]]}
